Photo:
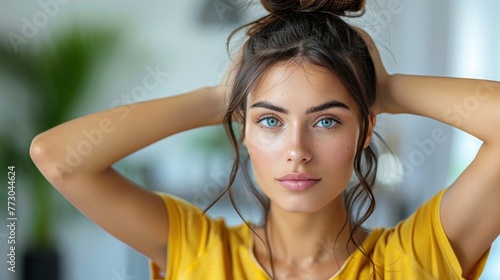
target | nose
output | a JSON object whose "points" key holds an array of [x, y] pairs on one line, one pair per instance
{"points": [[298, 146]]}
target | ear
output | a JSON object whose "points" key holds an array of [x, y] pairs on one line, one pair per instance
{"points": [[238, 116], [241, 124], [243, 129], [372, 120]]}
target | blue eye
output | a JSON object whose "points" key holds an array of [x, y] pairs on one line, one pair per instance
{"points": [[327, 123], [269, 122]]}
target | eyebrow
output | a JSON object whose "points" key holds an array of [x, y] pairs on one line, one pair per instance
{"points": [[327, 105], [314, 109]]}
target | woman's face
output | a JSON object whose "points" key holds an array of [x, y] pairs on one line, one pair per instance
{"points": [[301, 133]]}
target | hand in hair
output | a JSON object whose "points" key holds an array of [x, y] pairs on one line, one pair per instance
{"points": [[382, 103]]}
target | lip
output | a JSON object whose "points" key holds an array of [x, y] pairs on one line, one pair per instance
{"points": [[298, 181]]}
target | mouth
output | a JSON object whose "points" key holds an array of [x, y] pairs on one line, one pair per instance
{"points": [[298, 181]]}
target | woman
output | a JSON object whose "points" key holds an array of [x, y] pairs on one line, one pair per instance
{"points": [[305, 91]]}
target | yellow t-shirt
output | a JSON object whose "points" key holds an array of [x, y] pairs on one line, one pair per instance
{"points": [[200, 247]]}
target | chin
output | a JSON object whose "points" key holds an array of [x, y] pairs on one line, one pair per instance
{"points": [[303, 203]]}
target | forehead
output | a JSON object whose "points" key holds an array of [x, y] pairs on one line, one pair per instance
{"points": [[294, 83]]}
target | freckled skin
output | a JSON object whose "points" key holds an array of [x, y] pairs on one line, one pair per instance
{"points": [[299, 143]]}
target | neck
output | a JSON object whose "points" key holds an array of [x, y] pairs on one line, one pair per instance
{"points": [[298, 238]]}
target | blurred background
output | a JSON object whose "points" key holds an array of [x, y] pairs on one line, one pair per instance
{"points": [[61, 59]]}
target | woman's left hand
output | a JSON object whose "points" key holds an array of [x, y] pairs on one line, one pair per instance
{"points": [[382, 103]]}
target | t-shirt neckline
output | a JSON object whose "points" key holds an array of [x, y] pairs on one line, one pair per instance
{"points": [[368, 241]]}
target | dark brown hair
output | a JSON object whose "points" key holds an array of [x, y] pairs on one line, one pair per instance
{"points": [[309, 31], [340, 7]]}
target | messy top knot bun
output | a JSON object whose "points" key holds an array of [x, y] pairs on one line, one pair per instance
{"points": [[331, 6]]}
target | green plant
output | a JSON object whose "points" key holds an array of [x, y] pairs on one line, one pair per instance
{"points": [[55, 73]]}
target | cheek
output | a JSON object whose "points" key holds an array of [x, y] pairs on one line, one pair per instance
{"points": [[336, 154], [263, 146], [266, 154]]}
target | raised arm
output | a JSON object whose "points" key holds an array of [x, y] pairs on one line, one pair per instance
{"points": [[470, 210], [76, 158]]}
